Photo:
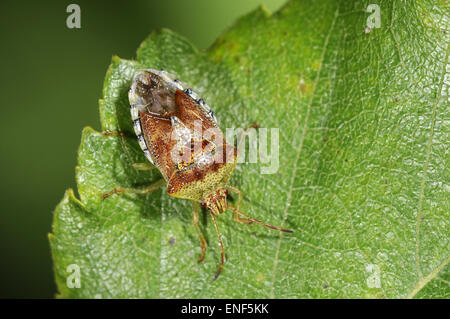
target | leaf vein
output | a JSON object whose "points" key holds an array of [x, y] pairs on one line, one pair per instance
{"points": [[299, 150], [425, 169]]}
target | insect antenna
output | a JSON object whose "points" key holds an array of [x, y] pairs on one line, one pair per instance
{"points": [[237, 211], [219, 237]]}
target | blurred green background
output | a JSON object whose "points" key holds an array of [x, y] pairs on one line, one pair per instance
{"points": [[51, 80]]}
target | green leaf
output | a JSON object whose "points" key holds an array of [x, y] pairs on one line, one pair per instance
{"points": [[363, 177]]}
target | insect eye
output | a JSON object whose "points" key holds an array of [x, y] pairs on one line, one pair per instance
{"points": [[226, 192], [203, 204]]}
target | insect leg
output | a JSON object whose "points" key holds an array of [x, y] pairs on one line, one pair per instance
{"points": [[242, 134], [143, 166], [119, 190], [203, 244], [236, 191], [234, 209], [219, 237], [238, 206]]}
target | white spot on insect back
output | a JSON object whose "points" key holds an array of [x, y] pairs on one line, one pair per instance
{"points": [[185, 138], [183, 135], [205, 159]]}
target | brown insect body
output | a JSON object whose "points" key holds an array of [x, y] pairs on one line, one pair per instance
{"points": [[186, 177], [178, 133]]}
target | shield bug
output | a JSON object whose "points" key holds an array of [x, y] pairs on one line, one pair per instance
{"points": [[170, 121]]}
